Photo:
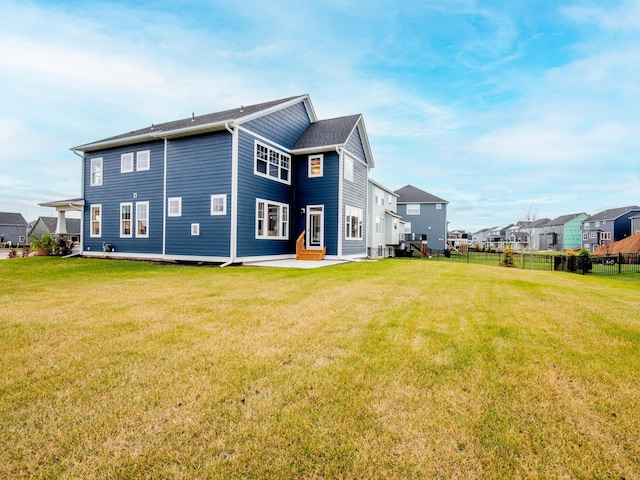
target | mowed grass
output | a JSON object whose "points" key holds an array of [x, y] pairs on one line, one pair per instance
{"points": [[389, 369]]}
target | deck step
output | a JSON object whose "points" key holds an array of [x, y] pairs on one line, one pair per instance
{"points": [[316, 255]]}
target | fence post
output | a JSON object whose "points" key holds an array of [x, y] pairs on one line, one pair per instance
{"points": [[620, 260]]}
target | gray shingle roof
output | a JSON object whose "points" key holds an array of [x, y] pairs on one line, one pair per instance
{"points": [[334, 131], [562, 219], [8, 218], [611, 214], [73, 224], [195, 121], [411, 194]]}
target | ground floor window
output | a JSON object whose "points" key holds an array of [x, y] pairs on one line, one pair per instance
{"points": [[96, 220], [142, 219], [353, 222], [125, 219], [272, 220]]}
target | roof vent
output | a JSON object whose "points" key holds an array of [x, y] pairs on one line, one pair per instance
{"points": [[241, 108], [152, 127], [193, 117]]}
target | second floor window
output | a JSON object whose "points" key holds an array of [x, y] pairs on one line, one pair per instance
{"points": [[272, 163], [96, 172], [413, 209]]}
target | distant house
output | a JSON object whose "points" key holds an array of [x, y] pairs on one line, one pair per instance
{"points": [[256, 182], [607, 226], [386, 228], [13, 229], [426, 214], [498, 235], [49, 225], [534, 233], [480, 239], [563, 232], [635, 224]]}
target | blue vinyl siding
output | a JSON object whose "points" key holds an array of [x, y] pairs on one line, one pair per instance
{"points": [[284, 126], [318, 191], [198, 167], [250, 187], [431, 221], [354, 194], [120, 187]]}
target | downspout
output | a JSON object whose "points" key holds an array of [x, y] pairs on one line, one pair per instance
{"points": [[164, 201], [233, 237], [340, 206], [82, 190]]}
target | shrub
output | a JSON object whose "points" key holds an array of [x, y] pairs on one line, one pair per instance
{"points": [[508, 257], [584, 261], [45, 244]]}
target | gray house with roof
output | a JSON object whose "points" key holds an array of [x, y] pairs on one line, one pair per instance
{"points": [[257, 182], [607, 226], [50, 225], [425, 215], [563, 232], [13, 229], [635, 224]]}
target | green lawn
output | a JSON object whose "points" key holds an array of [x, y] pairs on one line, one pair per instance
{"points": [[389, 369]]}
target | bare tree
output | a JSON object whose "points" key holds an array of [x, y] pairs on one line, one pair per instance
{"points": [[529, 215]]}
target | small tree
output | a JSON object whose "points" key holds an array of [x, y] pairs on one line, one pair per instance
{"points": [[584, 261], [508, 257], [45, 244]]}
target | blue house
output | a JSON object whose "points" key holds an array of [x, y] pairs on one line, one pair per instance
{"points": [[607, 226], [257, 182], [425, 215]]}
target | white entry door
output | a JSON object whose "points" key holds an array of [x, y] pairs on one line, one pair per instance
{"points": [[315, 227]]}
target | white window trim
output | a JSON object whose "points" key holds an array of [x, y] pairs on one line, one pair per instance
{"points": [[349, 213], [222, 196], [281, 168], [130, 234], [97, 172], [138, 234], [195, 229], [438, 206], [310, 161], [126, 162], [380, 225], [413, 210], [177, 200], [283, 223], [378, 196], [586, 226], [348, 168], [143, 153], [91, 221]]}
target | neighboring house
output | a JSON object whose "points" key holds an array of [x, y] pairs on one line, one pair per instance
{"points": [[426, 213], [49, 225], [498, 235], [635, 224], [230, 187], [386, 228], [534, 231], [13, 229], [607, 226], [517, 236], [563, 232], [480, 239]]}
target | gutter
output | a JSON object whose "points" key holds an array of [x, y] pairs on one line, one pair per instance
{"points": [[233, 238]]}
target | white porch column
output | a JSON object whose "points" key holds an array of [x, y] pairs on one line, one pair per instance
{"points": [[61, 227]]}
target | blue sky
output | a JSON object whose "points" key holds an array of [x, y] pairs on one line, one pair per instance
{"points": [[493, 106]]}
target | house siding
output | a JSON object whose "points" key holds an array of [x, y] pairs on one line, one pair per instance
{"points": [[116, 188], [250, 187], [318, 191], [198, 167], [431, 221], [354, 145], [283, 126], [354, 194]]}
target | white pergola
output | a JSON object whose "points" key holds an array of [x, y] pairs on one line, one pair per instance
{"points": [[62, 207]]}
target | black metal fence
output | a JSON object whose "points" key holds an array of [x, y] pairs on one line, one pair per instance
{"points": [[612, 264]]}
